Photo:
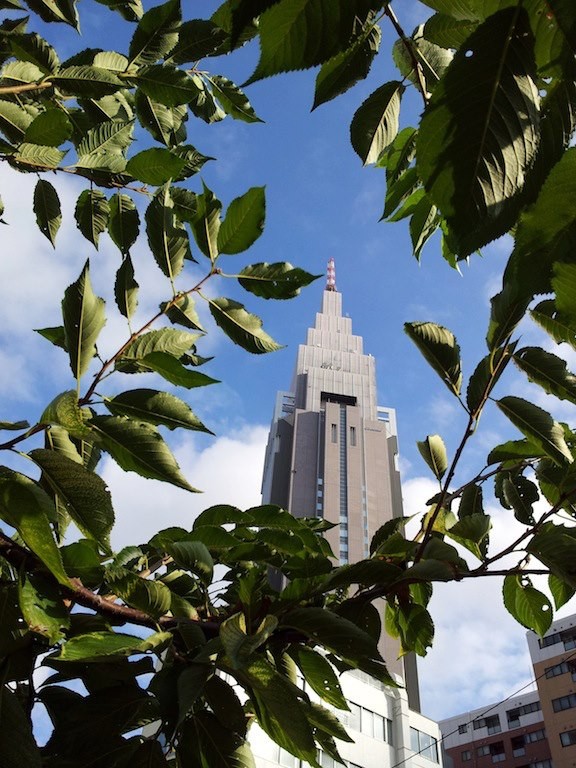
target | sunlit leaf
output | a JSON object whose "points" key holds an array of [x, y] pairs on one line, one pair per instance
{"points": [[527, 605], [438, 346], [92, 212], [433, 451], [538, 426], [83, 314], [375, 124], [242, 327], [243, 223]]}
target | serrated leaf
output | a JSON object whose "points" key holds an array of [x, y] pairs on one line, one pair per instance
{"points": [[49, 129], [345, 69], [424, 222], [274, 281], [124, 222], [559, 328], [232, 99], [205, 741], [472, 532], [241, 327], [84, 493], [83, 314], [520, 494], [192, 556], [155, 166], [486, 375], [564, 284], [548, 371], [298, 34], [160, 408], [168, 85], [91, 214], [56, 10], [47, 210], [175, 372], [439, 347], [166, 124], [182, 311], [104, 145], [515, 450], [431, 59], [126, 288], [238, 644], [560, 591], [433, 451], [479, 133], [138, 447], [319, 675], [167, 237], [198, 38], [87, 82], [243, 223], [96, 646], [146, 595], [36, 156], [18, 746], [471, 501], [375, 123], [14, 120], [131, 10], [206, 223], [22, 72], [527, 605], [171, 341], [538, 426], [26, 507], [156, 34], [65, 412], [42, 606]]}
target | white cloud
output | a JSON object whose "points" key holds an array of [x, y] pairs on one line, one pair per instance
{"points": [[228, 471]]}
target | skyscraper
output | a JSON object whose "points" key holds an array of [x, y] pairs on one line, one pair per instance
{"points": [[332, 451]]}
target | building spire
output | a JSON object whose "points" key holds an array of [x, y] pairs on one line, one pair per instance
{"points": [[331, 276]]}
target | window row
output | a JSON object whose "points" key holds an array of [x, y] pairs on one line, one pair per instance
{"points": [[560, 669], [568, 738], [424, 744], [492, 723], [564, 702], [367, 722], [568, 638], [519, 742], [514, 714], [538, 764]]}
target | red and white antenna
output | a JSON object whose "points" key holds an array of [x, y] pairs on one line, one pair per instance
{"points": [[331, 276]]}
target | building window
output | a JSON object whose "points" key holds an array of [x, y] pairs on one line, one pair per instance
{"points": [[483, 750], [463, 728], [389, 732], [334, 433], [538, 735], [564, 702], [568, 738], [544, 642], [557, 669], [423, 744], [498, 752], [466, 755], [352, 436], [518, 748], [513, 715], [492, 723]]}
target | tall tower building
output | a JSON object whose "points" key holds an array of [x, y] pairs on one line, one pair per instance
{"points": [[332, 450]]}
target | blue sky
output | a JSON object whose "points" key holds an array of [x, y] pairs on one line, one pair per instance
{"points": [[321, 203]]}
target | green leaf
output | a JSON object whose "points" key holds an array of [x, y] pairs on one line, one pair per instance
{"points": [[126, 288], [103, 146], [345, 69], [146, 595], [65, 412], [156, 408], [319, 675], [520, 494], [42, 606], [438, 346], [156, 34], [56, 10], [274, 281], [472, 532], [527, 605], [479, 133], [84, 318], [225, 704], [26, 507], [486, 375], [238, 644], [375, 124], [124, 222], [37, 157], [432, 59], [168, 85], [84, 493], [471, 501], [174, 372], [14, 425], [97, 646], [49, 129], [538, 426], [560, 591], [171, 341], [92, 213], [205, 741], [423, 224], [298, 34], [564, 284], [131, 10], [14, 120], [433, 451], [241, 327], [82, 560], [167, 238], [559, 328], [243, 223], [198, 38], [206, 223], [193, 556], [515, 450], [87, 82], [155, 166], [232, 99], [17, 743], [47, 210], [182, 311], [548, 371], [138, 447], [166, 124], [33, 48]]}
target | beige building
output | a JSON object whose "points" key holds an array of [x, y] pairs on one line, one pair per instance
{"points": [[332, 451]]}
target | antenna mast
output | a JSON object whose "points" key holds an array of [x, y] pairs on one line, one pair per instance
{"points": [[331, 276]]}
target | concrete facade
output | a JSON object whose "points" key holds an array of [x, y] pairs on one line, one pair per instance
{"points": [[332, 451]]}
